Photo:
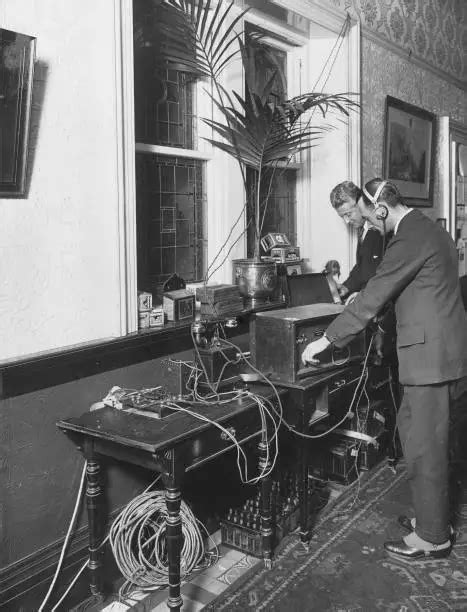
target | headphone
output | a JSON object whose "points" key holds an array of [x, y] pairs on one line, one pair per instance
{"points": [[383, 211]]}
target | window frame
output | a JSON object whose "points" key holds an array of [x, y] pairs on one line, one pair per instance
{"points": [[219, 197]]}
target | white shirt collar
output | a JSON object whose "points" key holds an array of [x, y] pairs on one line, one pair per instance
{"points": [[366, 225], [396, 227]]}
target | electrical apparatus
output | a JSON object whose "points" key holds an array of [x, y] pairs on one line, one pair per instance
{"points": [[278, 339], [284, 254], [218, 361], [241, 528], [280, 249], [311, 288]]}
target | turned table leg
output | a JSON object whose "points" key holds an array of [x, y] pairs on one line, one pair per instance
{"points": [[266, 515], [93, 498], [174, 537]]}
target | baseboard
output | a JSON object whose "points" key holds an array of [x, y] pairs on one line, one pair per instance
{"points": [[32, 574]]}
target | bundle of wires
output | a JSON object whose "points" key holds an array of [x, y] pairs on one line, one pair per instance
{"points": [[138, 541]]}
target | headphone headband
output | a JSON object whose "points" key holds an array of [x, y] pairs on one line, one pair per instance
{"points": [[374, 199]]}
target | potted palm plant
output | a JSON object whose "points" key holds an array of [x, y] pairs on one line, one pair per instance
{"points": [[266, 135], [262, 131]]}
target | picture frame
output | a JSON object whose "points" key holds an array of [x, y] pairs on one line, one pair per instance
{"points": [[17, 56], [408, 160]]}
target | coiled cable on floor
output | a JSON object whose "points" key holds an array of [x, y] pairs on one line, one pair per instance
{"points": [[138, 541]]}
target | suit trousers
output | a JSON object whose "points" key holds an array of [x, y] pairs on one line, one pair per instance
{"points": [[425, 423]]}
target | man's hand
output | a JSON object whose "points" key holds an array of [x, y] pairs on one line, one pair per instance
{"points": [[318, 346], [343, 291], [378, 342]]}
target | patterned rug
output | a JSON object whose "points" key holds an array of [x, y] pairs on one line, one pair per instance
{"points": [[346, 568]]}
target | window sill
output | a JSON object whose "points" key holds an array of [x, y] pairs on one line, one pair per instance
{"points": [[52, 368]]}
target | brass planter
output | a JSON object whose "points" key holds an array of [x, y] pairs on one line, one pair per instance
{"points": [[257, 280]]}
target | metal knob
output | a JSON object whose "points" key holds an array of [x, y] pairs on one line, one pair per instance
{"points": [[302, 339]]}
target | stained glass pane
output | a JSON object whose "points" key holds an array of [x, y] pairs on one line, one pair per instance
{"points": [[164, 98], [170, 203]]}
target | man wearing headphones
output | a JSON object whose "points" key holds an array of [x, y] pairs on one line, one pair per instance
{"points": [[344, 198], [419, 273]]}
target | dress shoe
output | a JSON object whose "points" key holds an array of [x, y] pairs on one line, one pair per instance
{"points": [[405, 522], [400, 550]]}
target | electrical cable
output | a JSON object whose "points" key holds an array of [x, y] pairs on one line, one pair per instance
{"points": [[339, 40], [229, 251], [394, 403], [290, 427], [86, 563], [138, 541], [67, 538], [207, 276], [239, 395], [71, 585], [228, 433]]}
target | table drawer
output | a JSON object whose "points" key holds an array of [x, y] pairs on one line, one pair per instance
{"points": [[213, 442], [341, 391]]}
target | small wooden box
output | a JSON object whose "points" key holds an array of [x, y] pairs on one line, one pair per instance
{"points": [[179, 305], [143, 319], [144, 301], [157, 317]]}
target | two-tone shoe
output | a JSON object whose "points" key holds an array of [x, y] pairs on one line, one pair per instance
{"points": [[400, 550], [405, 522]]}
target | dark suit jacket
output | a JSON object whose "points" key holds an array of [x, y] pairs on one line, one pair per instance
{"points": [[419, 273], [369, 253]]}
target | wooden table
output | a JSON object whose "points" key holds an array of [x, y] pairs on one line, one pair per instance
{"points": [[309, 402], [313, 399], [171, 446]]}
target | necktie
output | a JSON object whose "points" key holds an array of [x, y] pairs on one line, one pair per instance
{"points": [[359, 241]]}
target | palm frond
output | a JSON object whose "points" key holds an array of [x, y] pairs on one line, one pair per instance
{"points": [[259, 132], [204, 36]]}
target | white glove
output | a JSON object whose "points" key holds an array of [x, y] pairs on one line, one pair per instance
{"points": [[312, 349], [351, 298]]}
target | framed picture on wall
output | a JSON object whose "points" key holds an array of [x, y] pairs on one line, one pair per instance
{"points": [[17, 53], [408, 151]]}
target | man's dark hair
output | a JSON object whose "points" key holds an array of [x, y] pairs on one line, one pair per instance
{"points": [[389, 193], [345, 192]]}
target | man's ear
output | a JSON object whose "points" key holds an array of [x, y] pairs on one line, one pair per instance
{"points": [[382, 212]]}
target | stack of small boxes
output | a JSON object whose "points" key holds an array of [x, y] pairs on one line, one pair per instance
{"points": [[219, 300], [179, 305], [147, 315]]}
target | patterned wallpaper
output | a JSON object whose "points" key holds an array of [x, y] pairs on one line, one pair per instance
{"points": [[432, 30], [387, 74]]}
